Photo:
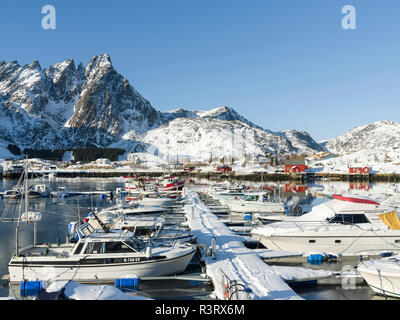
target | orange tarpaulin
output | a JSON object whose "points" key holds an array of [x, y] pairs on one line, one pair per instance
{"points": [[391, 219]]}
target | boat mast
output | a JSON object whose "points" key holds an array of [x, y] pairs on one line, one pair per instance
{"points": [[26, 179]]}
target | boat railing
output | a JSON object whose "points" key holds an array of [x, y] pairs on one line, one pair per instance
{"points": [[308, 225]]}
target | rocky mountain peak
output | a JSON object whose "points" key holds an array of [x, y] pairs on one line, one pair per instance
{"points": [[34, 65], [99, 64]]}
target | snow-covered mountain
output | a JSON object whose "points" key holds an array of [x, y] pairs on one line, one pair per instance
{"points": [[383, 135], [66, 106], [220, 133]]}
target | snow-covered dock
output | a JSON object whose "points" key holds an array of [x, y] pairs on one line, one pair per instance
{"points": [[236, 271]]}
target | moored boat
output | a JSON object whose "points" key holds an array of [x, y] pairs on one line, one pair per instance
{"points": [[99, 256], [383, 275], [345, 226], [145, 227], [255, 202]]}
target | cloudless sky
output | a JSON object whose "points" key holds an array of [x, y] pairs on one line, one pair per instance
{"points": [[282, 64]]}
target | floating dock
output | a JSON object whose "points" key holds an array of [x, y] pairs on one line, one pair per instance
{"points": [[236, 271]]}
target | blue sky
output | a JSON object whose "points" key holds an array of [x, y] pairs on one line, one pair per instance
{"points": [[283, 64]]}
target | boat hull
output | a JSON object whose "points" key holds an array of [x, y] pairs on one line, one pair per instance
{"points": [[107, 270], [383, 283], [341, 244], [261, 208]]}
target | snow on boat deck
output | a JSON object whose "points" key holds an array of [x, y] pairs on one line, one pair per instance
{"points": [[236, 262]]}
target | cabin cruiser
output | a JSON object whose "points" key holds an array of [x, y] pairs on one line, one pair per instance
{"points": [[133, 208], [255, 202], [15, 193], [99, 256], [61, 192], [347, 225], [152, 198], [230, 193], [144, 227], [38, 191], [383, 275]]}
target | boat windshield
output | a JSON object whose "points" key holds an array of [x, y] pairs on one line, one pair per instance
{"points": [[135, 244], [252, 198], [111, 247], [86, 230], [349, 219]]}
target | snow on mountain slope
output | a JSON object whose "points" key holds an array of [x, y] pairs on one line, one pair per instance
{"points": [[382, 134], [205, 137], [65, 106], [302, 141]]}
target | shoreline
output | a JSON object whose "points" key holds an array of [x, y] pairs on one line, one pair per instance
{"points": [[255, 177]]}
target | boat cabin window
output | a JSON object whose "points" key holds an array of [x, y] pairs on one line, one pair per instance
{"points": [[87, 231], [108, 247], [94, 247], [78, 248], [135, 244], [117, 247], [349, 219], [252, 198]]}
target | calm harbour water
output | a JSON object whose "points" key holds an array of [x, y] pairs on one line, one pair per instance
{"points": [[58, 213]]}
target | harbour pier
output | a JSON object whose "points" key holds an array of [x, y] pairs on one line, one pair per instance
{"points": [[238, 272]]}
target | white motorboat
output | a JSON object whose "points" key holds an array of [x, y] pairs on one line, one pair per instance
{"points": [[15, 193], [61, 192], [38, 191], [383, 275], [230, 193], [133, 208], [255, 202], [144, 227], [345, 226], [99, 256], [152, 198]]}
